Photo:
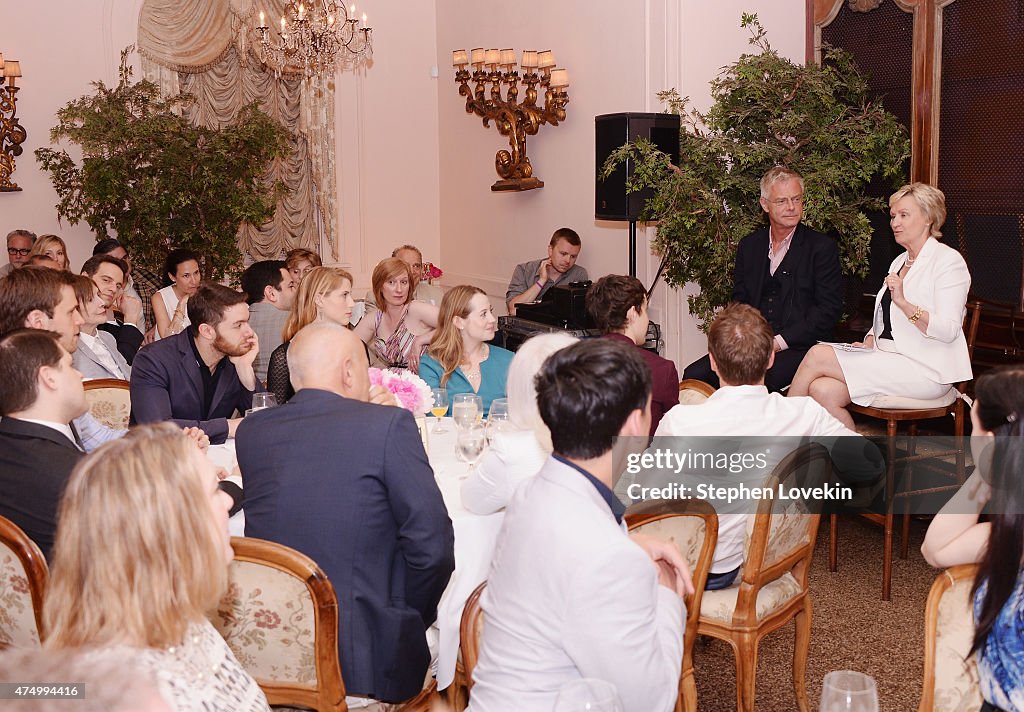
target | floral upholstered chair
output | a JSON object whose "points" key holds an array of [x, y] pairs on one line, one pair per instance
{"points": [[23, 576], [694, 392], [280, 619], [773, 585], [950, 673], [692, 525], [110, 401]]}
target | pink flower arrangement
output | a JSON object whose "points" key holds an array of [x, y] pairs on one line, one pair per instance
{"points": [[412, 392], [431, 271]]}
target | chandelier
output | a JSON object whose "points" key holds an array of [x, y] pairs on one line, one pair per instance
{"points": [[322, 37]]}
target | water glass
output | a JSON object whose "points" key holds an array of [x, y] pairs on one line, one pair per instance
{"points": [[438, 407], [467, 408], [470, 443], [848, 691], [588, 694], [263, 400]]}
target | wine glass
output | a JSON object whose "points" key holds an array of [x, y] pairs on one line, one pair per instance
{"points": [[438, 407], [497, 417], [470, 443], [588, 694], [466, 409], [263, 400], [848, 691]]}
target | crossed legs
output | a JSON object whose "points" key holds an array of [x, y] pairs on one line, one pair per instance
{"points": [[821, 378]]}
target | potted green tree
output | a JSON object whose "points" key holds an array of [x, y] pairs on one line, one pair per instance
{"points": [[767, 111], [158, 180]]}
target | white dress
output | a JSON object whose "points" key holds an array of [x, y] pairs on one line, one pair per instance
{"points": [[200, 674], [170, 304]]}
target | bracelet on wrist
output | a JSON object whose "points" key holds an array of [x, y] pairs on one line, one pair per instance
{"points": [[916, 315], [540, 285]]}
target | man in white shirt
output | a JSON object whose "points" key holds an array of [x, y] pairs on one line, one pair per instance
{"points": [[570, 594], [741, 347]]}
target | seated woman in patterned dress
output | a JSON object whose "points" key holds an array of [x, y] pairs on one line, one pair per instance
{"points": [[141, 554], [400, 329], [956, 536]]}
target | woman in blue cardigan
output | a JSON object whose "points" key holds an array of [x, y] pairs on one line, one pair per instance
{"points": [[459, 359]]}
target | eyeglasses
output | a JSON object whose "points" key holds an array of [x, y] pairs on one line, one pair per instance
{"points": [[796, 201], [21, 251]]}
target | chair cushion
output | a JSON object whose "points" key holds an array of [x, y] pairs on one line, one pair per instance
{"points": [[687, 533], [267, 619], [718, 606], [110, 406], [17, 617], [956, 680], [901, 403]]}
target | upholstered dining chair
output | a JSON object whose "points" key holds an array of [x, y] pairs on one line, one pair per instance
{"points": [[23, 576], [692, 525], [950, 673], [470, 631], [772, 588], [109, 401], [694, 392], [280, 619], [895, 410]]}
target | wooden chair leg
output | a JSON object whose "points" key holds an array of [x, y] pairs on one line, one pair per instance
{"points": [[833, 542], [905, 529], [746, 671], [890, 491], [688, 693], [800, 647]]}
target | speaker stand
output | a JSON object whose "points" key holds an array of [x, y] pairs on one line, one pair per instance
{"points": [[632, 248]]}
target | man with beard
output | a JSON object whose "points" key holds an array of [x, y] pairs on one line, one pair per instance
{"points": [[200, 376]]}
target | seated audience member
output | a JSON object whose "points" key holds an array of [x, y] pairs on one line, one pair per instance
{"points": [[325, 294], [422, 291], [141, 555], [300, 261], [956, 536], [40, 394], [459, 359], [112, 685], [618, 306], [520, 451], [570, 595], [270, 291], [43, 261], [788, 272], [19, 247], [109, 274], [741, 347], [170, 304], [531, 280], [53, 247], [140, 283], [97, 355], [38, 298], [401, 328], [916, 347], [201, 376], [347, 483]]}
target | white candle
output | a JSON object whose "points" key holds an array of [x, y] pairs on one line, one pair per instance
{"points": [[302, 10], [282, 25], [364, 20], [261, 20]]}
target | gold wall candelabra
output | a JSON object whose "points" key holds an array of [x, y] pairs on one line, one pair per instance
{"points": [[512, 118], [12, 134]]}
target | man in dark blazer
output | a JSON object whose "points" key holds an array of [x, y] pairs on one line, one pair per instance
{"points": [[790, 274], [40, 394], [201, 376], [347, 483]]}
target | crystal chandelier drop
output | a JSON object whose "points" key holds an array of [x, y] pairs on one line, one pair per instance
{"points": [[323, 36]]}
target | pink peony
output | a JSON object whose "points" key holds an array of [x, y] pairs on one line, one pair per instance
{"points": [[412, 392]]}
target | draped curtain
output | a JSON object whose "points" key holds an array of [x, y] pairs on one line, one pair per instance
{"points": [[202, 47]]}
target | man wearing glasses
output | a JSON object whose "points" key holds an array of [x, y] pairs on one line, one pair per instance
{"points": [[790, 274], [19, 244]]}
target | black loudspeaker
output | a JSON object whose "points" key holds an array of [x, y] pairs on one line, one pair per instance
{"points": [[613, 130]]}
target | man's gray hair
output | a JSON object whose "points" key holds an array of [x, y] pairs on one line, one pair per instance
{"points": [[777, 174], [24, 233]]}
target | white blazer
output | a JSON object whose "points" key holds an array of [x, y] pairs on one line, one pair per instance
{"points": [[938, 282], [571, 596]]}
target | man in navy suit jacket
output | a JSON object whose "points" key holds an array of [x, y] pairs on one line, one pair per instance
{"points": [[790, 274], [347, 483], [40, 394], [201, 376]]}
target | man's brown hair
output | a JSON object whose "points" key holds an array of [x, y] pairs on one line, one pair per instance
{"points": [[741, 343], [208, 304], [22, 353], [610, 299], [567, 234], [24, 290]]}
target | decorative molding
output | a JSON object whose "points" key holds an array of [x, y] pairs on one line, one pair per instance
{"points": [[864, 5]]}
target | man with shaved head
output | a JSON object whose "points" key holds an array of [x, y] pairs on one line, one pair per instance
{"points": [[346, 481]]}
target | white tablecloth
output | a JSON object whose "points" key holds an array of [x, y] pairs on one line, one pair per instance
{"points": [[475, 537]]}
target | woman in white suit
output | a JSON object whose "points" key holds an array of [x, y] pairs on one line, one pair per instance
{"points": [[916, 347]]}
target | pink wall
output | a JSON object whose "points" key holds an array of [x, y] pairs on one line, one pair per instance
{"points": [[81, 44]]}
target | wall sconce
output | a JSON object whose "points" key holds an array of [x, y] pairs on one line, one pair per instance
{"points": [[12, 135], [512, 119]]}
